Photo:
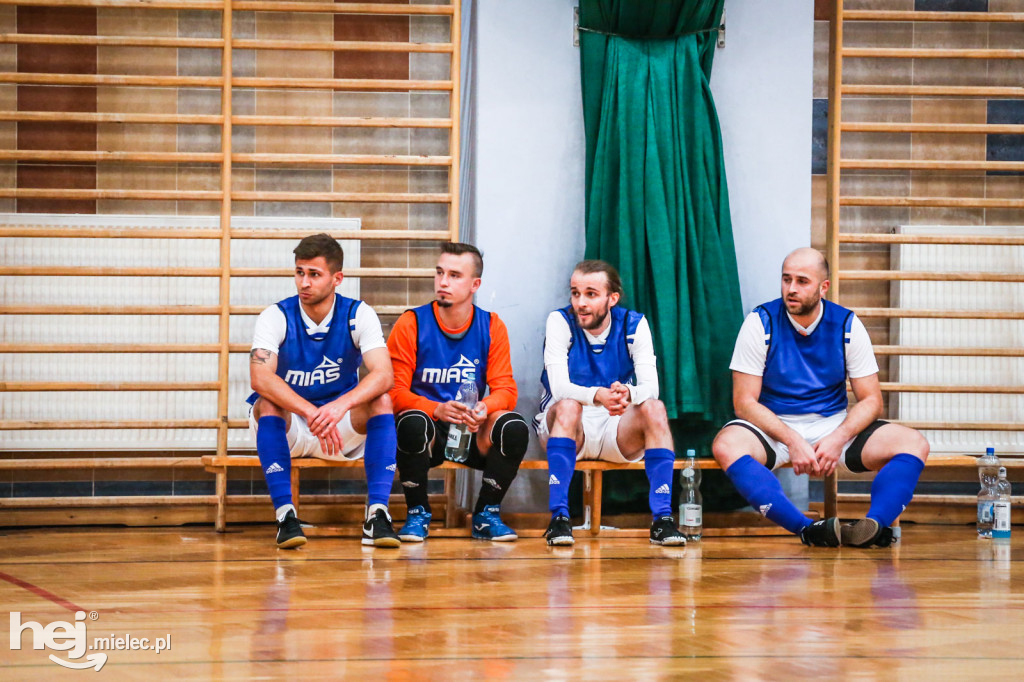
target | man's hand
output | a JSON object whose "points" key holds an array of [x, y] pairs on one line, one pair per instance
{"points": [[615, 398], [828, 451], [803, 457], [477, 417], [326, 418], [453, 412]]}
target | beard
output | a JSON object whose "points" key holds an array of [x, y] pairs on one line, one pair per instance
{"points": [[806, 307], [597, 319], [443, 303]]}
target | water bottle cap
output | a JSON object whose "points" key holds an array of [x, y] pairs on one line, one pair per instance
{"points": [[691, 453], [990, 451]]}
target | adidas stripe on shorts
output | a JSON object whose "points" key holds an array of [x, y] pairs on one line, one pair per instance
{"points": [[599, 435]]}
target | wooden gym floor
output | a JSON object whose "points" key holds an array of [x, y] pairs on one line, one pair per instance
{"points": [[942, 605]]}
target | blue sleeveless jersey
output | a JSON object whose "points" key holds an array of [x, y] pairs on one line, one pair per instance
{"points": [[444, 361], [601, 365], [323, 368], [805, 374]]}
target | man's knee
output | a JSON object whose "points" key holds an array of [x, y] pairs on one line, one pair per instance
{"points": [[913, 443], [731, 443], [567, 413], [654, 414], [415, 432], [381, 405], [510, 436], [265, 408]]}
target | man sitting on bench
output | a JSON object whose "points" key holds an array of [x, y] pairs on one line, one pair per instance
{"points": [[601, 398], [790, 364], [309, 400]]}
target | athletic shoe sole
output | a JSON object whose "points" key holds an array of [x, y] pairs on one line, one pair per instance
{"points": [[561, 541], [860, 533], [498, 538], [410, 538], [670, 542], [292, 543], [382, 542]]}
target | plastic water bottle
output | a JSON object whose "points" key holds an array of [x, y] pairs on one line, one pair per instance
{"points": [[457, 447], [690, 509], [1001, 517], [988, 475]]}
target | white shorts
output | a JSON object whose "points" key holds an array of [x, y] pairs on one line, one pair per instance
{"points": [[302, 443], [812, 428], [600, 435]]}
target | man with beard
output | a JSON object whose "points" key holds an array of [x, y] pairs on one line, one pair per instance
{"points": [[309, 400], [434, 348], [790, 366], [600, 398]]}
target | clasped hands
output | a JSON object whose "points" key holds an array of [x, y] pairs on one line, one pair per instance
{"points": [[615, 398], [818, 460]]}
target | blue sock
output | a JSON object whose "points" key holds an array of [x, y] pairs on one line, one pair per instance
{"points": [[764, 493], [275, 459], [379, 458], [561, 464], [893, 488], [658, 465]]}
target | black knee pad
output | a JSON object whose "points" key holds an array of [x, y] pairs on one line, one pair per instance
{"points": [[415, 432], [510, 436]]}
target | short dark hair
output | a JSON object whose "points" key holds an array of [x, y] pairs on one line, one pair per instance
{"points": [[459, 248], [588, 267], [322, 244]]}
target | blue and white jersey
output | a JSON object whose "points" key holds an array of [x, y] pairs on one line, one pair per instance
{"points": [[805, 373], [320, 366], [444, 361], [599, 366]]}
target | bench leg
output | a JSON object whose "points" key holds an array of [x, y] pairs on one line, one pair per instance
{"points": [[221, 483], [449, 492], [295, 489], [831, 495], [595, 500]]}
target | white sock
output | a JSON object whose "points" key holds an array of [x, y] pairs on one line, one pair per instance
{"points": [[282, 510], [374, 507]]}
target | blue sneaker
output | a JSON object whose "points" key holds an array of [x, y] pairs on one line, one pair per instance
{"points": [[487, 525], [417, 525]]}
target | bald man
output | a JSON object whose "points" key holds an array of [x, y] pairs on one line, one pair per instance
{"points": [[790, 365]]}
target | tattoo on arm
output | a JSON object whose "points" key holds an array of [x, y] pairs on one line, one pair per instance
{"points": [[259, 356]]}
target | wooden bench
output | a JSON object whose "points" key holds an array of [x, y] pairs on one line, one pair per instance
{"points": [[593, 481]]}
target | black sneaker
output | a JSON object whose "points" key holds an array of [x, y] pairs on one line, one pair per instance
{"points": [[377, 531], [664, 532], [866, 533], [289, 532], [824, 533], [559, 531]]}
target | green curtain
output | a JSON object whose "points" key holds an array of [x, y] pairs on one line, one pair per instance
{"points": [[657, 206]]}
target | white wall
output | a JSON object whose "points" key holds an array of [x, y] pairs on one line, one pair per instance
{"points": [[762, 84], [529, 153]]}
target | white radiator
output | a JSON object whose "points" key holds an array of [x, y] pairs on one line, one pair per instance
{"points": [[960, 333], [140, 329]]}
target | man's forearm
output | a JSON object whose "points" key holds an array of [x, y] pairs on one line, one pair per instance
{"points": [[373, 385], [766, 420], [276, 390], [860, 416]]}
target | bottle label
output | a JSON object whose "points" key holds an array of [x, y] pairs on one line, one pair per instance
{"points": [[1002, 516], [985, 512], [692, 515], [454, 435]]}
